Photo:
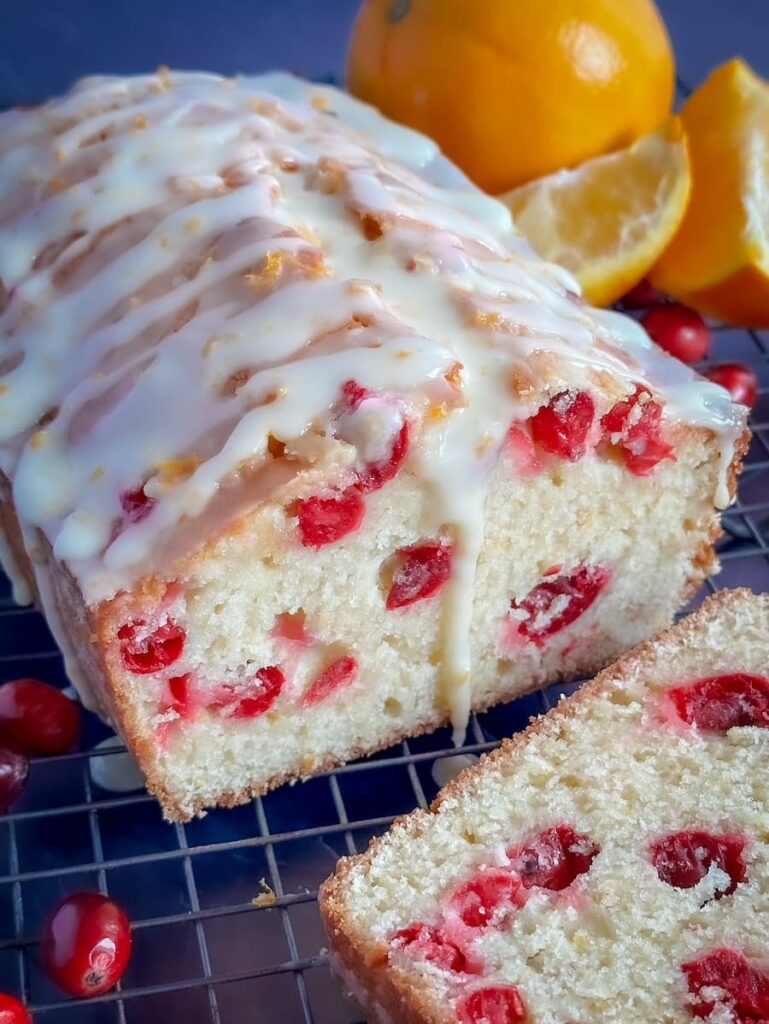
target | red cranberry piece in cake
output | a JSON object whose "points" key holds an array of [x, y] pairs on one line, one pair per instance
{"points": [[37, 719], [178, 698], [523, 454], [429, 944], [255, 697], [12, 1011], [340, 673], [679, 330], [86, 944], [741, 989], [137, 505], [423, 570], [634, 427], [327, 520], [357, 429], [554, 858], [496, 1004], [720, 703], [260, 694], [684, 858], [145, 649], [562, 426], [14, 769], [486, 898], [353, 394], [376, 474], [739, 381], [556, 603]]}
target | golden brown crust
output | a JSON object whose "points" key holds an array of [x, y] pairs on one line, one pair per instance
{"points": [[735, 466], [368, 961], [705, 561]]}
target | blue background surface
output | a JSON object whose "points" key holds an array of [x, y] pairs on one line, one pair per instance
{"points": [[46, 44]]}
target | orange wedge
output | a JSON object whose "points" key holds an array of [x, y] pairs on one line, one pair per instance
{"points": [[609, 220], [719, 260]]}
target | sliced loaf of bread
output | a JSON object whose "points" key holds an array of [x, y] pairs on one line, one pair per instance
{"points": [[609, 864]]}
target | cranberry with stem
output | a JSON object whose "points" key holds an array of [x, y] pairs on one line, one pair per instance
{"points": [[86, 944]]}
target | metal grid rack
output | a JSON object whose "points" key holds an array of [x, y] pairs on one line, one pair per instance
{"points": [[203, 953]]}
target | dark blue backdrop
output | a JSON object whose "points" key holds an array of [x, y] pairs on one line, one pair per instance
{"points": [[46, 44]]}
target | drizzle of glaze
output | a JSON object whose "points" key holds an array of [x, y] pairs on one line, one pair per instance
{"points": [[194, 266]]}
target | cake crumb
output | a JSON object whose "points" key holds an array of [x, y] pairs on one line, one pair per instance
{"points": [[267, 897]]}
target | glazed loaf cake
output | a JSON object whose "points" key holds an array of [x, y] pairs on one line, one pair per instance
{"points": [[303, 450], [609, 864]]}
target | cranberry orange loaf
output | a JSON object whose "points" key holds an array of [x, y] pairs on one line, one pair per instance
{"points": [[303, 449], [609, 864]]}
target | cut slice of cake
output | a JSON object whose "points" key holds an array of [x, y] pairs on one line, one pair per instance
{"points": [[303, 450], [610, 864]]}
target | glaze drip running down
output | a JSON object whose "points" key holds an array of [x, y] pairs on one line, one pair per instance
{"points": [[192, 267]]}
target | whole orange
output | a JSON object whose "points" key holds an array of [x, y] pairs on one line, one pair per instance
{"points": [[514, 89]]}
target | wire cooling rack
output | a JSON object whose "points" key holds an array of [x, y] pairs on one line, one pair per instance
{"points": [[203, 953]]}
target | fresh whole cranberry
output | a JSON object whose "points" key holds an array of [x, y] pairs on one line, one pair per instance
{"points": [[746, 990], [86, 944], [684, 858], [14, 769], [327, 520], [146, 650], [496, 1004], [553, 859], [490, 894], [430, 944], [554, 604], [679, 330], [720, 703], [422, 572], [563, 424], [37, 719], [12, 1012], [642, 296], [739, 381]]}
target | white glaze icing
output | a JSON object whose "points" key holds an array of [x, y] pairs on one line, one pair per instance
{"points": [[193, 265]]}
